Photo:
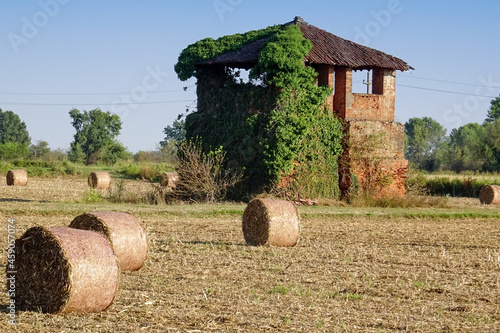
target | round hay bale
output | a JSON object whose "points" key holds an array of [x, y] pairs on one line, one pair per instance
{"points": [[99, 180], [62, 270], [271, 222], [123, 231], [17, 177], [168, 179], [490, 194]]}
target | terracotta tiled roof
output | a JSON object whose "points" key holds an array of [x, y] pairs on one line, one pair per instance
{"points": [[327, 49], [331, 49]]}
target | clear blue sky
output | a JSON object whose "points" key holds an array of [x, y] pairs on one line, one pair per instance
{"points": [[119, 56]]}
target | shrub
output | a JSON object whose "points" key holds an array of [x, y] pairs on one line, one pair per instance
{"points": [[202, 177], [416, 183], [466, 187], [149, 172], [145, 172], [41, 168], [147, 156], [157, 194], [131, 170]]}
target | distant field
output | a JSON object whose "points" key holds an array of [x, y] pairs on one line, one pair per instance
{"points": [[458, 185], [354, 269], [479, 176]]}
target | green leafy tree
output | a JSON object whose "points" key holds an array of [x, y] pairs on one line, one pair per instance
{"points": [[13, 150], [14, 137], [95, 137], [426, 142], [494, 111], [174, 132], [12, 129], [39, 150], [492, 146], [467, 147]]}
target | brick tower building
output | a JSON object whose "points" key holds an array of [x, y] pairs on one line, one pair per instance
{"points": [[373, 157]]}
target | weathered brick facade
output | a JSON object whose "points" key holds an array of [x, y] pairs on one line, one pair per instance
{"points": [[373, 142], [377, 156], [373, 159]]}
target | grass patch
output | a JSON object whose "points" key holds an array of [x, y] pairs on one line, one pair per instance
{"points": [[121, 170], [418, 284], [356, 297], [93, 196], [279, 289], [42, 169], [409, 201], [144, 171]]}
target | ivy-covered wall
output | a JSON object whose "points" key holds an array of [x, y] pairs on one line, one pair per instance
{"points": [[275, 127], [233, 115]]}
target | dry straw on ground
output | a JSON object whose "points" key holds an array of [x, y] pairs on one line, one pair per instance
{"points": [[17, 177], [168, 179], [99, 180], [490, 194], [62, 270], [123, 231], [353, 270], [271, 222]]}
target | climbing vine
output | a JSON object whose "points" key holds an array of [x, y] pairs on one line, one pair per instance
{"points": [[209, 48], [306, 143], [278, 130]]}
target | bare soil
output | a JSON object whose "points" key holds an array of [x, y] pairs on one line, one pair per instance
{"points": [[352, 271]]}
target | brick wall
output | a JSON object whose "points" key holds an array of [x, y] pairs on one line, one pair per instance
{"points": [[343, 97], [326, 76], [381, 177], [374, 143], [350, 106], [376, 106], [377, 138], [374, 154]]}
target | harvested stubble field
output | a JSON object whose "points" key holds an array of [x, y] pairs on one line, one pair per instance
{"points": [[353, 270]]}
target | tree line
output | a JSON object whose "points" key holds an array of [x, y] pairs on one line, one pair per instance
{"points": [[473, 146], [94, 140]]}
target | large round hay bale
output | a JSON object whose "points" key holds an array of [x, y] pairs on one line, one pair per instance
{"points": [[168, 179], [99, 180], [490, 194], [17, 177], [271, 222], [62, 270], [123, 231]]}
